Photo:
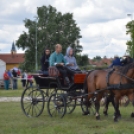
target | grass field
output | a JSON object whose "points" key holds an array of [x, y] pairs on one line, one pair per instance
{"points": [[13, 121]]}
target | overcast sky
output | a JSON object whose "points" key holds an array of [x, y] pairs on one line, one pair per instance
{"points": [[102, 22]]}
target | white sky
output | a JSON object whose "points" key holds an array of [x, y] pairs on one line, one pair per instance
{"points": [[102, 22]]}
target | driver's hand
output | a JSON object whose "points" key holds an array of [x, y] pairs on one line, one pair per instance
{"points": [[72, 64], [62, 64]]}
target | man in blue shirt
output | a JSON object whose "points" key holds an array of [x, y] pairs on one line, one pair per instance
{"points": [[116, 62], [57, 59]]}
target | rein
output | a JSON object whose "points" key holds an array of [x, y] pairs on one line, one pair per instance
{"points": [[121, 74]]}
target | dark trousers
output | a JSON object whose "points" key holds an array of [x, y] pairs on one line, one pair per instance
{"points": [[62, 71], [72, 72]]}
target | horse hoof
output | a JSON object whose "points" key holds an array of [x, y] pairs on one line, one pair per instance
{"points": [[85, 113], [98, 117], [119, 116], [115, 120], [105, 113], [132, 115]]}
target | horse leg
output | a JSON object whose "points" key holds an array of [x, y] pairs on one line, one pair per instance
{"points": [[106, 106], [97, 107], [132, 114], [131, 98], [113, 103], [117, 111], [86, 103]]}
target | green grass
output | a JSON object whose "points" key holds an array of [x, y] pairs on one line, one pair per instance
{"points": [[12, 93], [13, 121]]}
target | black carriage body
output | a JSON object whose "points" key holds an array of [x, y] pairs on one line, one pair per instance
{"points": [[46, 82]]}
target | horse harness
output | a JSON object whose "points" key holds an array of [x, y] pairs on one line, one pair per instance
{"points": [[119, 86]]}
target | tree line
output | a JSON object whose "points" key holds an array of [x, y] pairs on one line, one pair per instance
{"points": [[49, 28]]}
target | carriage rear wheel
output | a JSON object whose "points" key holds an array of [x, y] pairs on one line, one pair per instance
{"points": [[56, 105], [32, 102], [89, 107]]}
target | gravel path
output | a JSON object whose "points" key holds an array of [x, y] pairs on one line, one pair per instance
{"points": [[10, 99]]}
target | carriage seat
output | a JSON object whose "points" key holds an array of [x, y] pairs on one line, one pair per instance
{"points": [[44, 73]]}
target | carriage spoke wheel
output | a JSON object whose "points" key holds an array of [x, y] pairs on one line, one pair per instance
{"points": [[70, 104], [87, 108], [50, 91], [32, 102], [56, 105]]}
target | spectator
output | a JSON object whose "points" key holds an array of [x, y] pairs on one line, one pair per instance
{"points": [[24, 79], [18, 72], [30, 80], [14, 74], [6, 80], [10, 77], [45, 61]]}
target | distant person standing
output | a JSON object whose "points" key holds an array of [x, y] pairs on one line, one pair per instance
{"points": [[24, 79], [18, 72], [10, 77], [30, 80], [14, 74], [6, 80]]}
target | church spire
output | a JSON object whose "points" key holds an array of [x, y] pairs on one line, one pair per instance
{"points": [[13, 49]]}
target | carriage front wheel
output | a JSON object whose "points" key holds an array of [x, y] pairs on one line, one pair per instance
{"points": [[56, 105], [32, 102]]}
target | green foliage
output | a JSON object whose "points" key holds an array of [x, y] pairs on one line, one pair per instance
{"points": [[52, 27], [130, 43], [82, 60], [97, 58]]}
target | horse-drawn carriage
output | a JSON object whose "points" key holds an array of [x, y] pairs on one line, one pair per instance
{"points": [[61, 99]]}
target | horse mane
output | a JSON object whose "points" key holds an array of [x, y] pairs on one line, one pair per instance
{"points": [[125, 68]]}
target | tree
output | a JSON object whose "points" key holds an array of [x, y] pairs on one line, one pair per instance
{"points": [[82, 60], [52, 27], [130, 43], [97, 58]]}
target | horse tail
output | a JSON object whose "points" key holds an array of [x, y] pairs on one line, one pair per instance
{"points": [[85, 86]]}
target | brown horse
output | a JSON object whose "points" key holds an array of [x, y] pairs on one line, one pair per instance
{"points": [[96, 84]]}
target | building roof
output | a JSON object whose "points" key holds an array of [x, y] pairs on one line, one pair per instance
{"points": [[15, 58]]}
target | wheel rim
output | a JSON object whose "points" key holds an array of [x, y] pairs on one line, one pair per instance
{"points": [[32, 102], [56, 106], [70, 104]]}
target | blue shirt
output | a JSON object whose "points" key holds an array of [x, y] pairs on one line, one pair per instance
{"points": [[9, 74], [56, 58], [116, 62]]}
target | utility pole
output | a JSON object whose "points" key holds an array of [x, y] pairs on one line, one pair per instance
{"points": [[36, 62]]}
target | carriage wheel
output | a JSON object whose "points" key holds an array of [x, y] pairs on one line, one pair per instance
{"points": [[56, 105], [87, 108], [32, 102], [70, 104], [51, 91]]}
